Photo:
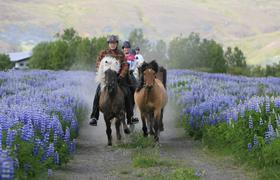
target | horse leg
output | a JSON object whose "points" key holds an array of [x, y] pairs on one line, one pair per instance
{"points": [[144, 125], [122, 120], [157, 122], [108, 131], [117, 124], [151, 124], [161, 128]]}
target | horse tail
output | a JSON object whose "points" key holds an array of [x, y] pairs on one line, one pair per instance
{"points": [[164, 74]]}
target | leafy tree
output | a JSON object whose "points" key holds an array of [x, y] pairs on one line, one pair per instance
{"points": [[69, 34], [41, 56], [5, 62], [136, 38], [194, 53], [69, 51], [158, 51], [235, 58]]}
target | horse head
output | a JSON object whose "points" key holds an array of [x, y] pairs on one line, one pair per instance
{"points": [[149, 71], [106, 63], [111, 81]]}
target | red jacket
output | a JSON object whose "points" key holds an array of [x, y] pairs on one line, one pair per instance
{"points": [[119, 55]]}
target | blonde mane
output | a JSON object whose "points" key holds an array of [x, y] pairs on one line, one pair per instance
{"points": [[106, 63]]}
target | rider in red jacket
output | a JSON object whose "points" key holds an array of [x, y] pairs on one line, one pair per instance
{"points": [[123, 76]]}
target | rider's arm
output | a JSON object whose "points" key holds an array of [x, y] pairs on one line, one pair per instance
{"points": [[124, 67], [99, 58]]}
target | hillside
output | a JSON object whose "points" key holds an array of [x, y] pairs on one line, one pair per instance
{"points": [[251, 24]]}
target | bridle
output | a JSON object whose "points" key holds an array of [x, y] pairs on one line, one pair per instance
{"points": [[145, 84]]}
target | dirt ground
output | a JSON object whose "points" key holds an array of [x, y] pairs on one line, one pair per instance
{"points": [[95, 160]]}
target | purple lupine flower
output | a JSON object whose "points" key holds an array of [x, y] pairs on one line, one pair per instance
{"points": [[249, 146], [74, 125], [198, 173], [67, 137], [56, 158], [255, 141], [50, 172], [251, 125], [50, 151], [37, 145], [10, 138], [27, 133], [7, 169], [267, 106], [73, 146], [1, 137]]}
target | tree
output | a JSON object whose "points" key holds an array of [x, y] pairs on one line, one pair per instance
{"points": [[236, 61], [158, 51], [68, 35], [41, 56], [5, 62], [136, 38], [235, 58]]}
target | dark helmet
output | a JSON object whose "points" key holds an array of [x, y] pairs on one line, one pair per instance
{"points": [[132, 51], [137, 48], [112, 38], [126, 44]]}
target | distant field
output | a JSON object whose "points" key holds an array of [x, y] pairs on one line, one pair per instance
{"points": [[251, 24]]}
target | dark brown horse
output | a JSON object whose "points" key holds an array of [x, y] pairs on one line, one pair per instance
{"points": [[112, 105], [151, 98]]}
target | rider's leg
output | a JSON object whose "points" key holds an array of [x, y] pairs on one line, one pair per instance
{"points": [[128, 106], [95, 108], [133, 85]]}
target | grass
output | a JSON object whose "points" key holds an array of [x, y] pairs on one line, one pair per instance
{"points": [[137, 140], [147, 163], [150, 157], [178, 174]]}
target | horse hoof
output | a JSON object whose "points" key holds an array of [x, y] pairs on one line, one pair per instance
{"points": [[127, 131], [145, 134], [109, 144]]}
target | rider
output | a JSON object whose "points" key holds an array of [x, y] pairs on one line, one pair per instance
{"points": [[139, 60], [130, 58], [113, 51], [139, 57]]}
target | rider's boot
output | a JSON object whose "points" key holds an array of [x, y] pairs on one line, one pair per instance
{"points": [[95, 108]]}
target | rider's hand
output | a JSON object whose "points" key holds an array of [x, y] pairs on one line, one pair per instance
{"points": [[121, 80]]}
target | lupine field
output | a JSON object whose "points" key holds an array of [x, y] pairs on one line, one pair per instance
{"points": [[40, 113], [237, 113]]}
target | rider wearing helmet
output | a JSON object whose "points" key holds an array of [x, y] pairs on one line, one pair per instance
{"points": [[113, 51], [132, 82]]}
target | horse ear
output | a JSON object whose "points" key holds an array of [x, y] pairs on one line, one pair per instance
{"points": [[143, 67], [154, 65]]}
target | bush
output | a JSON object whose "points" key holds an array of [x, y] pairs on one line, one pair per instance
{"points": [[5, 62]]}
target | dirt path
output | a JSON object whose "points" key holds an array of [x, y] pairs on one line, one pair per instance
{"points": [[95, 160]]}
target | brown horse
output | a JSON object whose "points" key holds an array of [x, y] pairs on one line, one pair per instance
{"points": [[151, 99], [112, 105]]}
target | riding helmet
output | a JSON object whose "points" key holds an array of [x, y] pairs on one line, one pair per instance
{"points": [[126, 44], [112, 39]]}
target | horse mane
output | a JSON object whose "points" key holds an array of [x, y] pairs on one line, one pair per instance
{"points": [[151, 65], [106, 63], [164, 73]]}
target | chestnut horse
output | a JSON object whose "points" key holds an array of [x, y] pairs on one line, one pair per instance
{"points": [[112, 104], [151, 98]]}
